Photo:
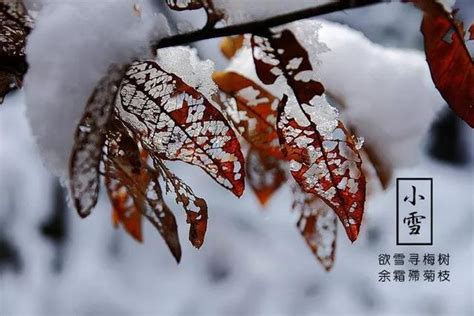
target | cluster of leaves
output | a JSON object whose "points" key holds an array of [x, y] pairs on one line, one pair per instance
{"points": [[141, 116]]}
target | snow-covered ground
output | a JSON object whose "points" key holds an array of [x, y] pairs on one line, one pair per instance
{"points": [[253, 262]]}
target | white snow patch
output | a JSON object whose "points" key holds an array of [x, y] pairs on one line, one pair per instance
{"points": [[70, 49]]}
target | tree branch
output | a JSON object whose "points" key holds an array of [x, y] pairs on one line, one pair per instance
{"points": [[256, 26]]}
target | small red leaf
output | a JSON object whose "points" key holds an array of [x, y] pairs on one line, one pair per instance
{"points": [[175, 122]]}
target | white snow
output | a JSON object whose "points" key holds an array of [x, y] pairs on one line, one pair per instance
{"points": [[70, 49], [185, 63], [248, 10]]}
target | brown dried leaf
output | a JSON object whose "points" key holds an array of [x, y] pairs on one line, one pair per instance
{"points": [[195, 207], [89, 140], [134, 189], [173, 121]]}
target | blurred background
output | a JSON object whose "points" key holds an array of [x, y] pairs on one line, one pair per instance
{"points": [[254, 261]]}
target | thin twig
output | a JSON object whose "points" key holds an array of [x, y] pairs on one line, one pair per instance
{"points": [[258, 26]]}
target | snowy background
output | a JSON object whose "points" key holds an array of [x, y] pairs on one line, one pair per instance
{"points": [[254, 262]]}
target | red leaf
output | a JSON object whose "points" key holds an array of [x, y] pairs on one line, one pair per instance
{"points": [[265, 174], [326, 165], [255, 116], [281, 54], [175, 122], [195, 207], [450, 62], [88, 142], [318, 226]]}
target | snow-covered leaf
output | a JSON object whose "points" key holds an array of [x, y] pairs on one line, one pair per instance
{"points": [[326, 165], [176, 122], [89, 140]]}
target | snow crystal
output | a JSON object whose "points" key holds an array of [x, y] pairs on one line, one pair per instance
{"points": [[185, 63], [247, 10], [70, 49]]}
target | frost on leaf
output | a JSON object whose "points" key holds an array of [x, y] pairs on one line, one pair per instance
{"points": [[213, 15], [134, 189], [15, 25], [265, 174], [173, 121], [256, 111], [317, 224], [448, 57], [195, 207], [280, 54], [326, 165], [89, 140]]}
